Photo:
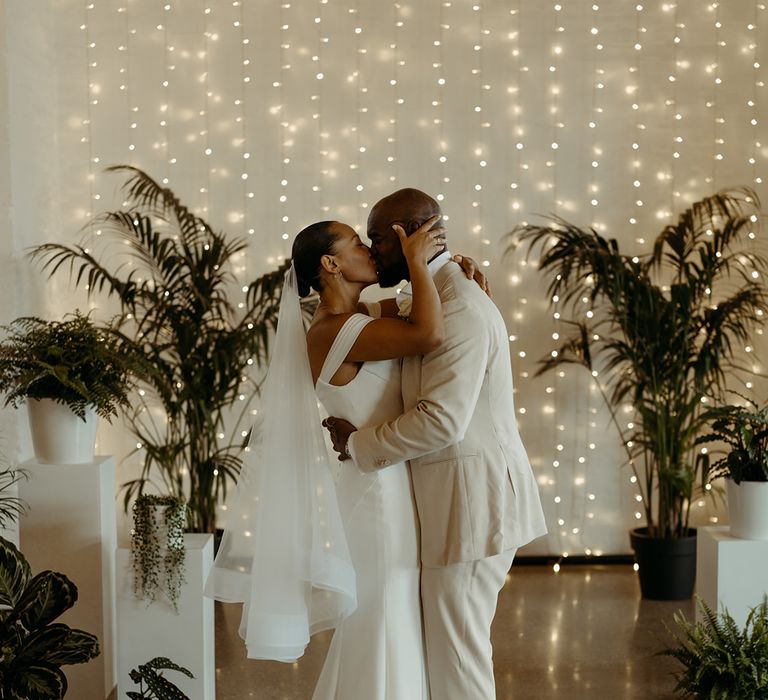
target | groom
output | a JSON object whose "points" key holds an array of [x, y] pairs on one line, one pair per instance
{"points": [[476, 495]]}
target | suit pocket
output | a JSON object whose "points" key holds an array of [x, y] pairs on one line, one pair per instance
{"points": [[442, 500]]}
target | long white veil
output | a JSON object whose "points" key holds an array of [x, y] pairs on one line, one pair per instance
{"points": [[284, 554]]}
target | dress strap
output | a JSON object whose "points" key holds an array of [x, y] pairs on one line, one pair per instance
{"points": [[342, 344]]}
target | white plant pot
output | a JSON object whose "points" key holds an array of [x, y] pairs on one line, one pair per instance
{"points": [[748, 509], [59, 436]]}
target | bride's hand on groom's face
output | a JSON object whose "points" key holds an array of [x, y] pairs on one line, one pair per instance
{"points": [[340, 431]]}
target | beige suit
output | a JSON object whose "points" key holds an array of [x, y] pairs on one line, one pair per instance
{"points": [[475, 492]]}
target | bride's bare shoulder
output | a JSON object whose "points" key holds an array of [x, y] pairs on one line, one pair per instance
{"points": [[324, 329], [320, 336]]}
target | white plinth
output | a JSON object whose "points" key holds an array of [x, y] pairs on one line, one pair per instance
{"points": [[187, 639], [730, 572], [71, 527]]}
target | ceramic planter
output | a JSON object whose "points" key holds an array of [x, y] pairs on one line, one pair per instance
{"points": [[748, 509], [59, 436], [667, 567]]}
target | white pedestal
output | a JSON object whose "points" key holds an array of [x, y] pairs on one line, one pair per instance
{"points": [[71, 527], [187, 638], [730, 572]]}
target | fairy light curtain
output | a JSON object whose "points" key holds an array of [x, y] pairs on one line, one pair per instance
{"points": [[267, 116]]}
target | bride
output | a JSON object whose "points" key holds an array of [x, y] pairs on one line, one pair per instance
{"points": [[302, 553]]}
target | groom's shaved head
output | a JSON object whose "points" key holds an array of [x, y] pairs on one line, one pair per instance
{"points": [[409, 208]]}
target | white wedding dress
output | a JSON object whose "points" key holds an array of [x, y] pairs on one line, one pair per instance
{"points": [[377, 653]]}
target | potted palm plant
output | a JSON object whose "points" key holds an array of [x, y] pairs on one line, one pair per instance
{"points": [[662, 334], [69, 372], [743, 431], [178, 313]]}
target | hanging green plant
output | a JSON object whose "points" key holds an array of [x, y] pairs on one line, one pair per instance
{"points": [[151, 566]]}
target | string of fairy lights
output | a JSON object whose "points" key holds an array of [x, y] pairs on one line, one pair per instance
{"points": [[754, 28], [554, 409], [281, 112], [292, 158], [717, 118], [361, 143], [480, 122], [593, 194], [438, 103], [91, 101], [672, 103], [316, 100], [398, 101]]}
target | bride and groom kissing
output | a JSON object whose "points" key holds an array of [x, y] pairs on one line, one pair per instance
{"points": [[405, 551]]}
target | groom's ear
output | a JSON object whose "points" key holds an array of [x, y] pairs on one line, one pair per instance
{"points": [[412, 226]]}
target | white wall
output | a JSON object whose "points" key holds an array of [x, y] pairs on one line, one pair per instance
{"points": [[135, 82], [28, 173]]}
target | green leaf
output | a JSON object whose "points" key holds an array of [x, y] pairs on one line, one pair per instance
{"points": [[15, 572], [162, 663], [47, 596], [37, 681], [60, 645], [161, 686]]}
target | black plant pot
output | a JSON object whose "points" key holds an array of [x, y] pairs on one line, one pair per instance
{"points": [[667, 567]]}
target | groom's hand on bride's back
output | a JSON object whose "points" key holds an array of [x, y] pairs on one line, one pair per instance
{"points": [[340, 431]]}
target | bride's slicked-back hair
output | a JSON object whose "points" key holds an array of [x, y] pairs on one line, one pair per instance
{"points": [[309, 246]]}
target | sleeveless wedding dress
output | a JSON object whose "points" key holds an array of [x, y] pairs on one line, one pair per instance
{"points": [[377, 653]]}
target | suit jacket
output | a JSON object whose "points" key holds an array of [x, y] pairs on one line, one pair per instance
{"points": [[475, 492]]}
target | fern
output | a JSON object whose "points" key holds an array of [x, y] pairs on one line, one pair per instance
{"points": [[73, 362], [721, 661]]}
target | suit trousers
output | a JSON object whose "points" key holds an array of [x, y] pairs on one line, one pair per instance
{"points": [[459, 603]]}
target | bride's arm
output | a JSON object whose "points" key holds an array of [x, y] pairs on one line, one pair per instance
{"points": [[389, 308]]}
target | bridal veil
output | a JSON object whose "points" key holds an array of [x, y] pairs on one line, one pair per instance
{"points": [[284, 554]]}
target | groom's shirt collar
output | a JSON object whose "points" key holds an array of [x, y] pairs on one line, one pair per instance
{"points": [[405, 295]]}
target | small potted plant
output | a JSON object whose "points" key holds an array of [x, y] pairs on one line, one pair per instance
{"points": [[68, 372], [743, 430], [157, 547], [721, 660]]}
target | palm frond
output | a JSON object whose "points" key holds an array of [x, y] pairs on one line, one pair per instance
{"points": [[666, 328], [173, 276]]}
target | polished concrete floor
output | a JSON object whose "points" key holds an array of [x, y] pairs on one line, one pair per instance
{"points": [[581, 633]]}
